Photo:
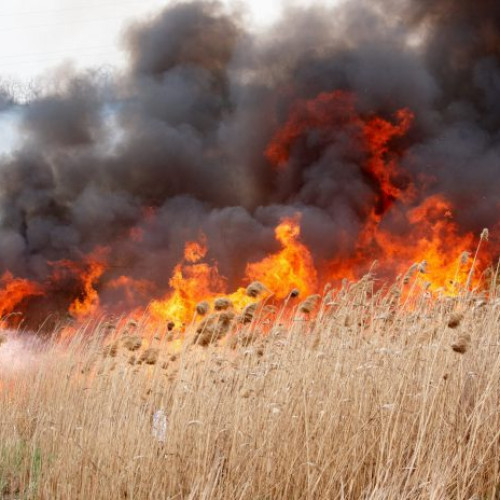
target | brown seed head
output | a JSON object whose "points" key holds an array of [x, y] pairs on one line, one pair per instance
{"points": [[222, 303], [462, 344], [150, 356], [255, 288], [226, 316], [308, 305], [131, 323], [110, 350], [464, 258], [132, 342], [422, 267], [202, 308], [248, 313], [454, 320]]}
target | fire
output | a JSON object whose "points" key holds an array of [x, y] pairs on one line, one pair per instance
{"points": [[89, 301], [333, 111], [195, 251], [291, 267], [192, 281], [326, 111], [87, 274], [399, 226], [132, 290], [435, 239], [13, 291], [377, 136]]}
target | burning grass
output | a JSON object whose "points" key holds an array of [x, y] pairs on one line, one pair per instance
{"points": [[360, 396]]}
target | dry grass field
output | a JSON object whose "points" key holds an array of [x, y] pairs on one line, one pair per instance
{"points": [[355, 395]]}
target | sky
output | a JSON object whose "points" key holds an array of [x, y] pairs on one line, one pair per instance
{"points": [[37, 35]]}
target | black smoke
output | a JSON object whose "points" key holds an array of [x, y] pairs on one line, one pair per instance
{"points": [[175, 147]]}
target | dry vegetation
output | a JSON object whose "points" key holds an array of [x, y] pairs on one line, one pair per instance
{"points": [[362, 395]]}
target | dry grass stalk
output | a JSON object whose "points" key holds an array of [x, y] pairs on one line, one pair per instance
{"points": [[410, 273], [110, 350], [131, 324], [375, 395]]}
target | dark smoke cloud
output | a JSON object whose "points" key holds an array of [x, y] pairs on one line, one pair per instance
{"points": [[183, 134]]}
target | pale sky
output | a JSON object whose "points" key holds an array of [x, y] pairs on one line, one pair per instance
{"points": [[36, 35]]}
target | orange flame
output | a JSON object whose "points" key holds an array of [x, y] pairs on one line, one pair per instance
{"points": [[435, 237], [377, 136], [14, 290], [89, 301], [426, 231], [192, 282], [291, 267], [88, 272]]}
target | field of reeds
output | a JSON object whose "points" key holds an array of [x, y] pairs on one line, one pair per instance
{"points": [[355, 394]]}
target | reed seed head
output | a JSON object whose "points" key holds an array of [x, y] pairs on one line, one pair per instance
{"points": [[464, 258], [202, 308], [454, 320], [150, 356], [222, 303], [254, 289], [308, 305], [248, 313], [462, 344], [132, 342]]}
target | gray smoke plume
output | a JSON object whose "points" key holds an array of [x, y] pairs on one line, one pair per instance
{"points": [[184, 132]]}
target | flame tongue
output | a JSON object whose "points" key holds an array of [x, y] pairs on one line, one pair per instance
{"points": [[291, 267], [89, 300], [330, 112], [14, 291], [86, 275], [382, 165], [192, 282]]}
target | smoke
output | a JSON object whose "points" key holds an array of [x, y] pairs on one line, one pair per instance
{"points": [[20, 354], [175, 147]]}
